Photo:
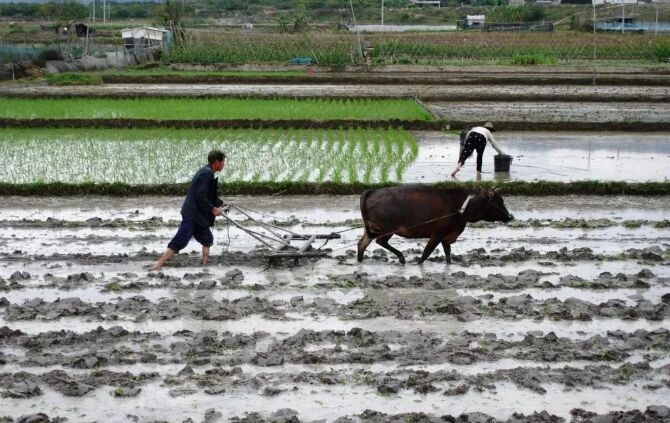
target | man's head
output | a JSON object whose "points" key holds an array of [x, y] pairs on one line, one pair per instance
{"points": [[216, 160], [489, 126]]}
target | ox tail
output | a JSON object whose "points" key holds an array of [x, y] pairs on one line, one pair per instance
{"points": [[364, 214]]}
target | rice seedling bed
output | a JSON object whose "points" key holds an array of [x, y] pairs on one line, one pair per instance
{"points": [[165, 156], [415, 125], [418, 125], [220, 108]]}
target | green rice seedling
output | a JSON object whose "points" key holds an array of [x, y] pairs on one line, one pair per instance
{"points": [[325, 147], [306, 148], [168, 156], [210, 108]]}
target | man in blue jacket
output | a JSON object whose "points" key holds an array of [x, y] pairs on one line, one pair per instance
{"points": [[200, 208]]}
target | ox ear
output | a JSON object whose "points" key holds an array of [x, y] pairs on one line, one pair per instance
{"points": [[492, 192]]}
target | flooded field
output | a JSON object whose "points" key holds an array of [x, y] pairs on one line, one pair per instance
{"points": [[550, 156], [564, 310], [360, 155]]}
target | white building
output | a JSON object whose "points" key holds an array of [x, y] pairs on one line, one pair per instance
{"points": [[597, 2], [475, 20], [146, 37], [429, 2]]}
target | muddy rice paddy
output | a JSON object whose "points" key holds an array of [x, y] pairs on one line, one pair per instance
{"points": [[561, 314], [550, 156]]}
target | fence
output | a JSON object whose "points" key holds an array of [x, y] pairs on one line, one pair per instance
{"points": [[622, 33]]}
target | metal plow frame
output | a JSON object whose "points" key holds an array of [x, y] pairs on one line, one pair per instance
{"points": [[278, 239]]}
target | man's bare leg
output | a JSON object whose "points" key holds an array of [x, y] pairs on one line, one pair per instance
{"points": [[163, 259], [205, 255]]}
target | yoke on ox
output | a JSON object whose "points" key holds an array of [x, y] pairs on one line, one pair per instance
{"points": [[422, 211]]}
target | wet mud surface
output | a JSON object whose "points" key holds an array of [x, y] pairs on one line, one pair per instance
{"points": [[557, 111], [555, 156], [488, 92], [516, 77], [560, 315]]}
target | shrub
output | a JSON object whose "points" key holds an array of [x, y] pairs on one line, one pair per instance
{"points": [[49, 54], [662, 52], [74, 79], [533, 59], [45, 55]]}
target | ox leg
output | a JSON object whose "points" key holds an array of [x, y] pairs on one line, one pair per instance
{"points": [[430, 247], [447, 251], [362, 245], [384, 242]]}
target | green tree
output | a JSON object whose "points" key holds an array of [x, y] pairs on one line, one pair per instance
{"points": [[172, 14]]}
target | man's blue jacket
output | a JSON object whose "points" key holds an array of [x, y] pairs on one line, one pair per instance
{"points": [[202, 197]]}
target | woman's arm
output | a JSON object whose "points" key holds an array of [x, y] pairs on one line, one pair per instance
{"points": [[494, 145]]}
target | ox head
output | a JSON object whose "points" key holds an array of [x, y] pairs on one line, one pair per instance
{"points": [[494, 209]]}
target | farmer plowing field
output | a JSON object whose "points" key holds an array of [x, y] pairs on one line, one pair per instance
{"points": [[199, 210]]}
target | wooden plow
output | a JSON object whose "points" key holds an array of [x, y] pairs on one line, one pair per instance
{"points": [[278, 239]]}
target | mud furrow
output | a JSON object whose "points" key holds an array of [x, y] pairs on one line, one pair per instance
{"points": [[374, 304], [479, 256], [103, 348], [235, 280]]}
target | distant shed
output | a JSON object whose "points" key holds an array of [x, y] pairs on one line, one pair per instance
{"points": [[475, 21], [146, 38]]}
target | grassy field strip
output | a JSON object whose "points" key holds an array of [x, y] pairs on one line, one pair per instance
{"points": [[227, 108], [524, 188], [165, 156]]}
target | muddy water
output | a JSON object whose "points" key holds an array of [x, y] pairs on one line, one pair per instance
{"points": [[550, 156], [543, 314]]}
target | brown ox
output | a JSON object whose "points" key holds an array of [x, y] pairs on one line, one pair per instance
{"points": [[422, 211]]}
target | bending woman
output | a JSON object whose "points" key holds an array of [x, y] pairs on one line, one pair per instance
{"points": [[476, 139]]}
